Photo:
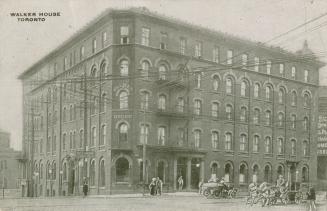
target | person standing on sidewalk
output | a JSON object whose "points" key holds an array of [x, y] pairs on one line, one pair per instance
{"points": [[180, 183], [152, 187], [159, 186], [311, 196], [85, 187]]}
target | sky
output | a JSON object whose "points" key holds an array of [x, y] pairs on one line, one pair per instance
{"points": [[24, 43]]}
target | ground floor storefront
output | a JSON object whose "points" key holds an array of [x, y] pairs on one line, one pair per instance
{"points": [[121, 171]]}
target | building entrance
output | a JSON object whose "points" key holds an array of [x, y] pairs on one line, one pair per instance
{"points": [[181, 170], [195, 172]]}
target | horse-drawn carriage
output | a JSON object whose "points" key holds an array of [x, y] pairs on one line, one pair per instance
{"points": [[267, 195], [218, 190]]}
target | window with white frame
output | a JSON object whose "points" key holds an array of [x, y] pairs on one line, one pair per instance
{"points": [[306, 76], [94, 136], [180, 104], [198, 49], [228, 141], [145, 100], [243, 142], [198, 80], [214, 109], [293, 98], [145, 36], [124, 35], [305, 123], [243, 116], [268, 117], [215, 54], [197, 107], [280, 119], [268, 145], [163, 40], [293, 121], [104, 38], [94, 45], [124, 67], [229, 57], [123, 100], [281, 96], [215, 83], [255, 143], [162, 72], [103, 135], [214, 139], [162, 102], [197, 138], [256, 64], [281, 69], [306, 100], [145, 69], [123, 131], [161, 135], [256, 90], [305, 148], [293, 72], [293, 147], [280, 146], [229, 86], [268, 65], [256, 116], [244, 60], [244, 89], [268, 93], [229, 112], [182, 45], [144, 134]]}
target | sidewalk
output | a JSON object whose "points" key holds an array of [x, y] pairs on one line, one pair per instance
{"points": [[140, 195]]}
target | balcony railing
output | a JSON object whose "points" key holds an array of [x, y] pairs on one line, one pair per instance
{"points": [[171, 80]]}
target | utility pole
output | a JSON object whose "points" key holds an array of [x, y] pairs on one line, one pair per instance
{"points": [[144, 145], [60, 138], [85, 127], [31, 184]]}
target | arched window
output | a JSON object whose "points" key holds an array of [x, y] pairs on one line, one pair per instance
{"points": [[94, 105], [64, 141], [102, 174], [281, 96], [305, 123], [293, 73], [229, 109], [293, 121], [280, 146], [256, 90], [243, 176], [144, 135], [123, 100], [243, 116], [54, 169], [161, 135], [228, 141], [94, 136], [71, 140], [162, 72], [293, 98], [124, 67], [64, 173], [123, 132], [197, 138], [280, 171], [214, 139], [255, 172], [198, 77], [306, 101], [268, 145], [162, 102], [74, 140], [93, 75], [229, 86], [214, 109], [214, 170], [64, 115], [256, 116], [122, 170], [280, 119], [228, 177], [267, 174], [268, 93], [256, 143], [145, 69], [197, 107], [180, 104], [81, 138], [306, 75], [145, 100], [92, 173], [293, 147], [305, 174], [268, 117], [103, 135], [103, 102], [305, 148], [244, 89], [243, 143], [103, 70], [215, 83]]}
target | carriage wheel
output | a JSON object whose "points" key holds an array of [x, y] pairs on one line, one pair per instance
{"points": [[216, 193], [206, 192]]}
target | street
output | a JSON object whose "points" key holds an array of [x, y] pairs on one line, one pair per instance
{"points": [[189, 201]]}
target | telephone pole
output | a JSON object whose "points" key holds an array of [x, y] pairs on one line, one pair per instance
{"points": [[31, 174], [85, 127]]}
